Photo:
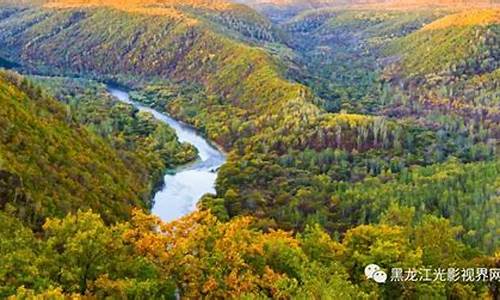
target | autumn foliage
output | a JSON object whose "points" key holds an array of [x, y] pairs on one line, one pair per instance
{"points": [[354, 136]]}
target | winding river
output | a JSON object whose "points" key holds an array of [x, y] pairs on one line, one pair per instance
{"points": [[189, 183], [184, 188]]}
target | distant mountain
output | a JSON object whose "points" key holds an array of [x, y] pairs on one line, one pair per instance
{"points": [[281, 10], [322, 3]]}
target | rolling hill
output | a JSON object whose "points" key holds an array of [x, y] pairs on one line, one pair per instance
{"points": [[248, 105], [282, 10], [455, 61], [367, 134], [466, 42], [140, 46]]}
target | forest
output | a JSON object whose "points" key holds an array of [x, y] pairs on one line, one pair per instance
{"points": [[354, 135]]}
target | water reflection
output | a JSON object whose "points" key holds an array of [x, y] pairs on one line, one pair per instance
{"points": [[183, 189]]}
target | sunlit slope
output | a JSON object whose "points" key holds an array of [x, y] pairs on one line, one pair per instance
{"points": [[223, 15], [464, 43], [229, 15], [49, 165], [127, 4]]}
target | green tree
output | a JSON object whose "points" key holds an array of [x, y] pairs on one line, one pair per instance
{"points": [[438, 241], [80, 248], [19, 257]]}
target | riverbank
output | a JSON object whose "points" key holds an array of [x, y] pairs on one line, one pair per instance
{"points": [[183, 189]]}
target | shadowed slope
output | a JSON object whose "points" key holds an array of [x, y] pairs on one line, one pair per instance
{"points": [[54, 166]]}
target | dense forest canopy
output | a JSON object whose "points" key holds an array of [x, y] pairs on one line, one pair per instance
{"points": [[354, 136]]}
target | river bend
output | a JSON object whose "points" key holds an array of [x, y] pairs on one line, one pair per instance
{"points": [[189, 183]]}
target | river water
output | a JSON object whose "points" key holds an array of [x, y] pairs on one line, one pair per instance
{"points": [[184, 188]]}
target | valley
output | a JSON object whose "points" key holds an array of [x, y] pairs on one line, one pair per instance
{"points": [[349, 133]]}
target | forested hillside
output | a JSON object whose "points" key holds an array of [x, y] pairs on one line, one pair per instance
{"points": [[368, 135], [199, 256], [51, 165], [126, 128], [341, 51]]}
